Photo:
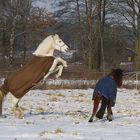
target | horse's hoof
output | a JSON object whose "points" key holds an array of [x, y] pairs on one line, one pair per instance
{"points": [[18, 112], [109, 118], [19, 115], [90, 120]]}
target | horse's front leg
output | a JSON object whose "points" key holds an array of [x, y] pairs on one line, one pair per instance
{"points": [[64, 63], [59, 69], [16, 109], [55, 68]]}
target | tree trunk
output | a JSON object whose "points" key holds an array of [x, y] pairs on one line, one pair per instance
{"points": [[24, 48], [137, 46], [80, 30], [11, 51], [98, 35], [4, 51], [102, 35], [137, 40], [90, 60]]}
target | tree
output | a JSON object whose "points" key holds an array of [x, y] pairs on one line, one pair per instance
{"points": [[130, 10], [22, 22], [91, 21], [96, 20]]}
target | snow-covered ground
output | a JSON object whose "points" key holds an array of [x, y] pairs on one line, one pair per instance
{"points": [[64, 114]]}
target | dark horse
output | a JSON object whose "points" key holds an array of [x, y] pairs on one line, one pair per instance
{"points": [[106, 91]]}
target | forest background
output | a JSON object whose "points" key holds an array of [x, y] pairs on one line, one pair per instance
{"points": [[101, 34]]}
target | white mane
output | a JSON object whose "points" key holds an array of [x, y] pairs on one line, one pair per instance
{"points": [[45, 48]]}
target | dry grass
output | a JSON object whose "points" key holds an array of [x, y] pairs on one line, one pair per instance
{"points": [[77, 114], [81, 95], [43, 133], [60, 95], [76, 86], [58, 131], [40, 110], [79, 99], [56, 97]]}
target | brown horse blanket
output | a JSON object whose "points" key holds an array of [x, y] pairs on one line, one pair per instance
{"points": [[20, 82]]}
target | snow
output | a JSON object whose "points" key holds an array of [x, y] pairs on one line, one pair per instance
{"points": [[63, 115]]}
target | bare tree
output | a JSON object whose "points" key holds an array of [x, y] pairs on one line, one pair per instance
{"points": [[97, 19], [130, 10], [80, 28], [20, 23]]}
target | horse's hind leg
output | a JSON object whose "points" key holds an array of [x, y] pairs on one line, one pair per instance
{"points": [[16, 109], [14, 102]]}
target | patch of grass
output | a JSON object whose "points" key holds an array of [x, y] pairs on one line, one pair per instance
{"points": [[54, 99], [40, 110], [58, 130], [43, 133]]}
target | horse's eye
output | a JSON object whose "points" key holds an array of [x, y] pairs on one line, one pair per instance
{"points": [[60, 41]]}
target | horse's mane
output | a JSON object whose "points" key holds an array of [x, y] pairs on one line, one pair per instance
{"points": [[44, 46], [118, 76]]}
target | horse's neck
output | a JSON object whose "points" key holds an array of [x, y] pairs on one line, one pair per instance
{"points": [[50, 53], [41, 52], [45, 48]]}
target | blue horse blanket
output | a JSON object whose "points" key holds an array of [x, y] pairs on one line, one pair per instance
{"points": [[106, 87]]}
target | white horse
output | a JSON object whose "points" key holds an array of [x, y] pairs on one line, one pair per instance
{"points": [[45, 49]]}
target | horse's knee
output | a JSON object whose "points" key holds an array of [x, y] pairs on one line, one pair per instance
{"points": [[60, 67], [62, 61]]}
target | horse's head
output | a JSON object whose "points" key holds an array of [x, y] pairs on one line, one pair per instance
{"points": [[49, 44], [59, 44], [117, 76]]}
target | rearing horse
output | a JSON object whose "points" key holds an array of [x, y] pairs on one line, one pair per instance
{"points": [[39, 67]]}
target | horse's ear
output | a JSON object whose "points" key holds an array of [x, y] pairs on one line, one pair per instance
{"points": [[56, 35]]}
